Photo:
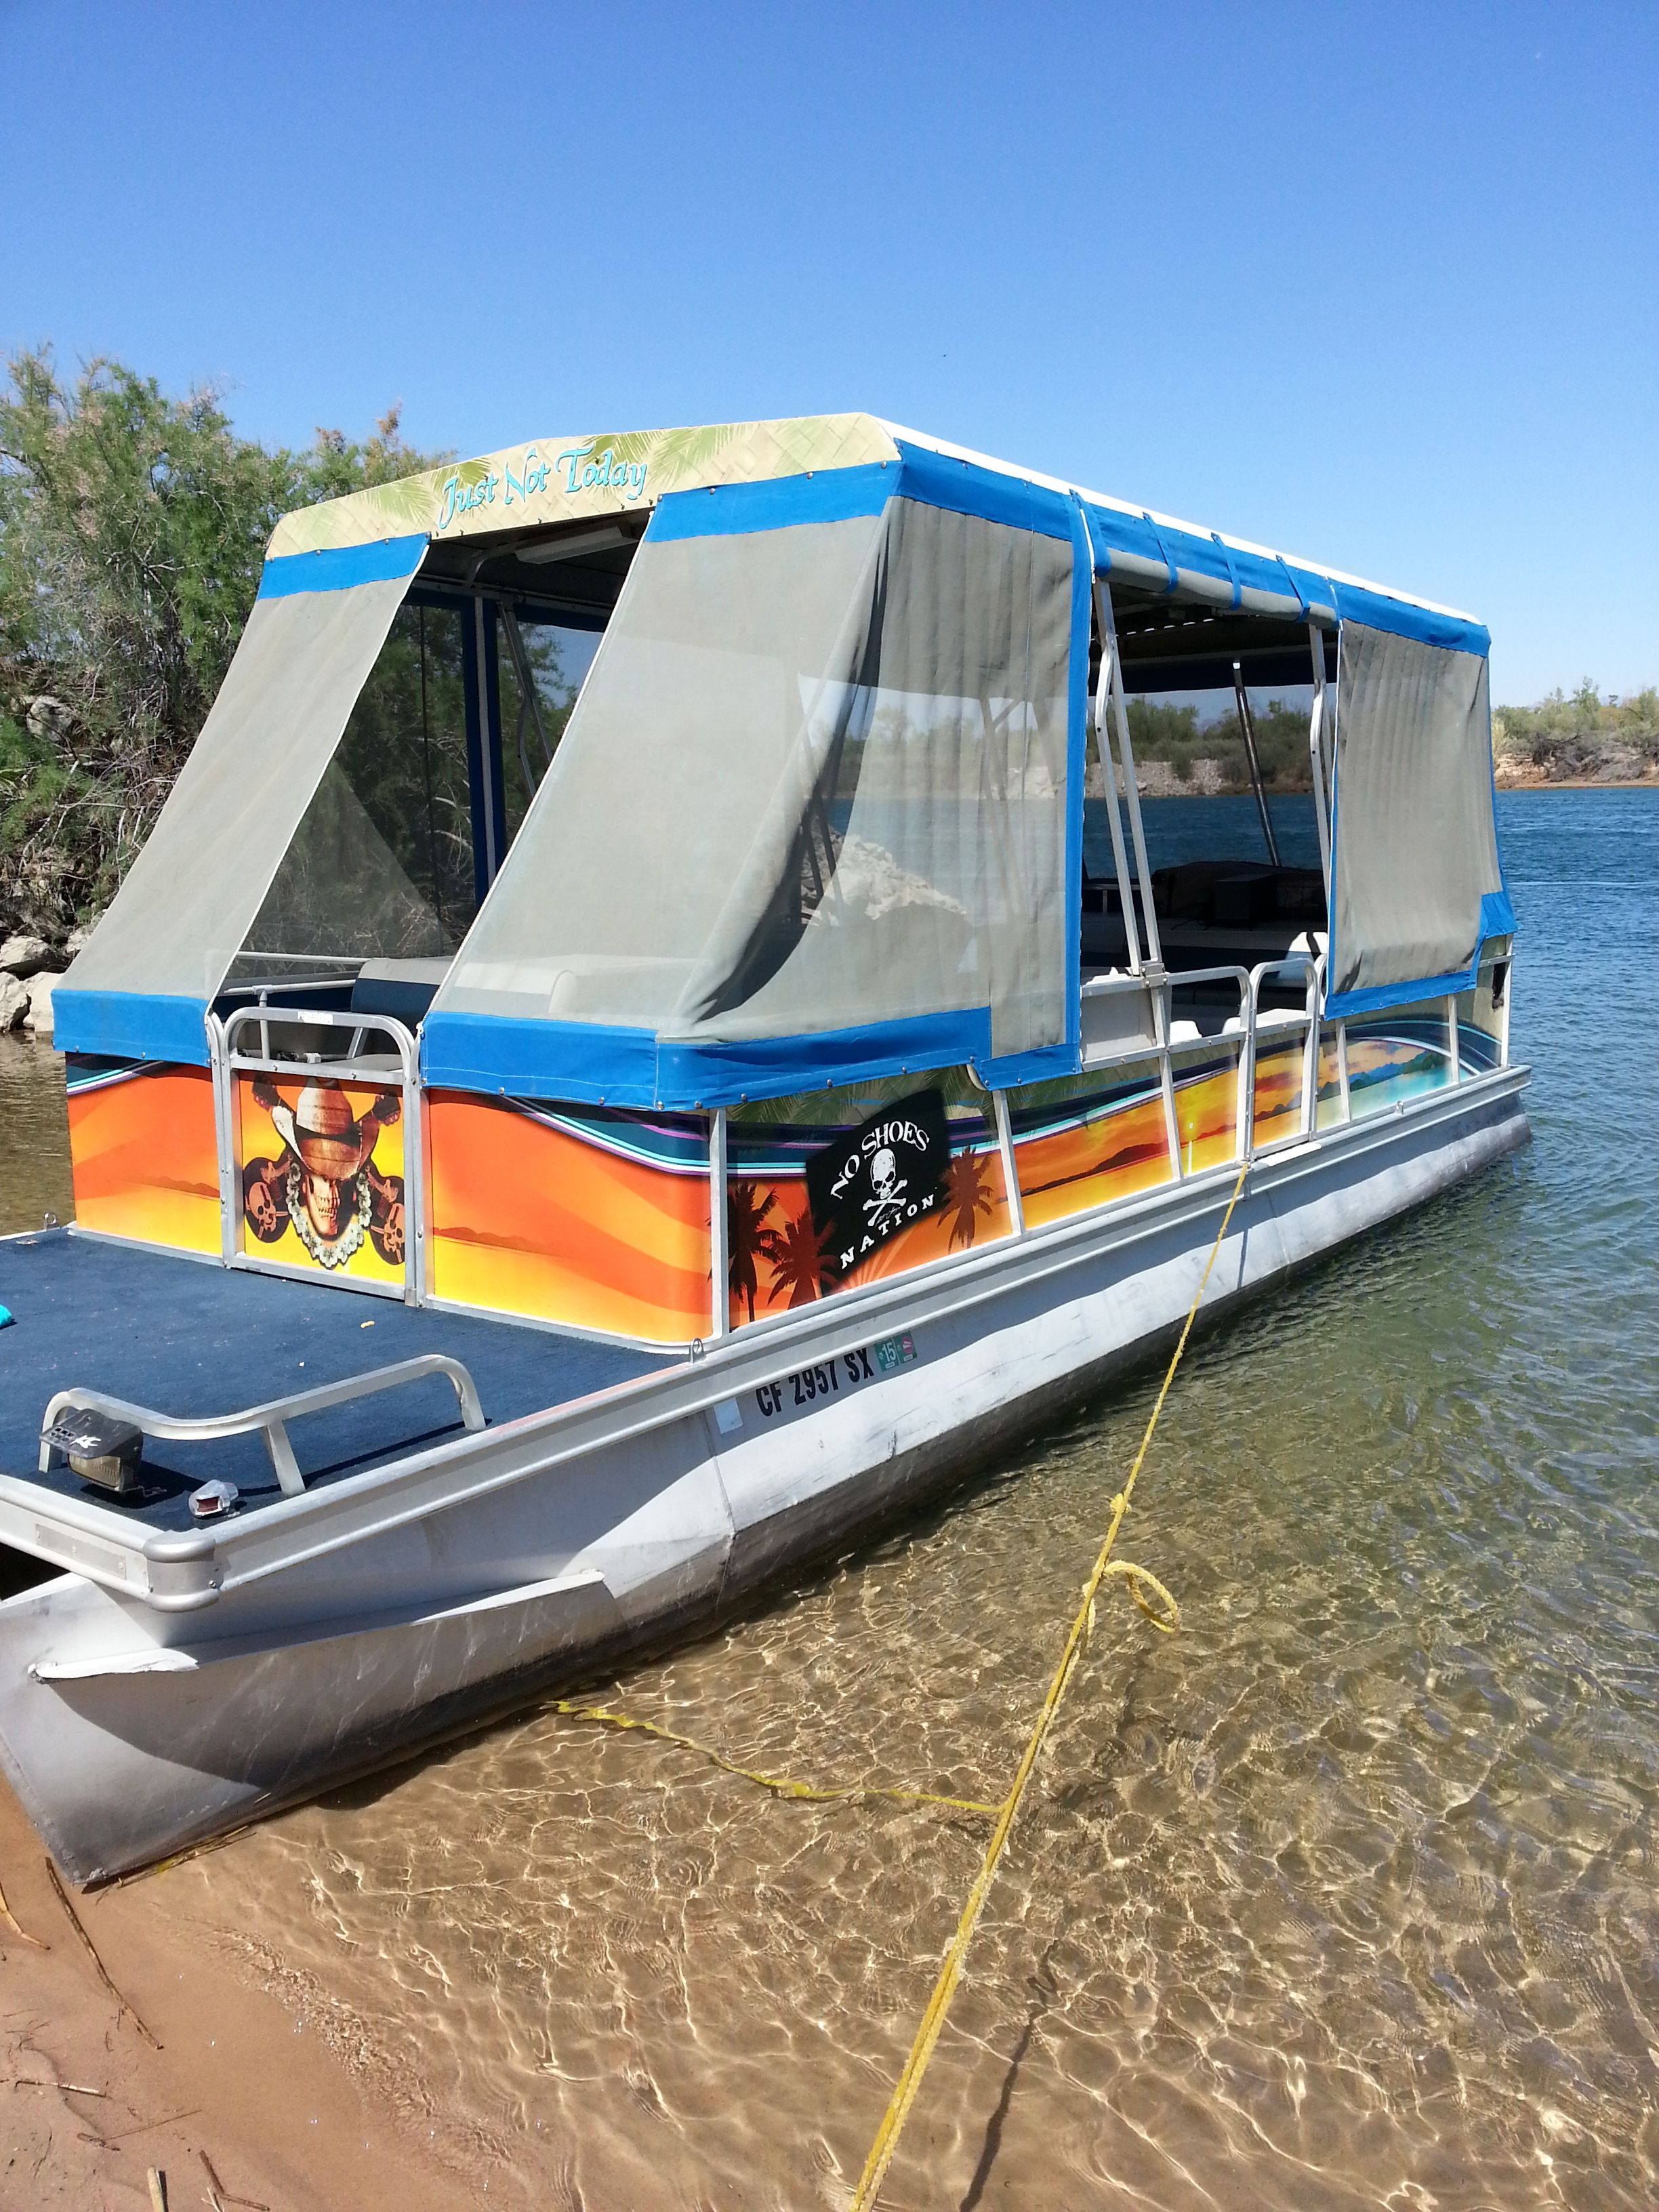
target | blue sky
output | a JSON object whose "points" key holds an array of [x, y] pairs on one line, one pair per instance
{"points": [[1375, 285]]}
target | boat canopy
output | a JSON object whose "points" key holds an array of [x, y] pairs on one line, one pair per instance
{"points": [[817, 815]]}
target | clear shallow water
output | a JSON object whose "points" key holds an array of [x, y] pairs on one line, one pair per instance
{"points": [[34, 1172], [1348, 1896]]}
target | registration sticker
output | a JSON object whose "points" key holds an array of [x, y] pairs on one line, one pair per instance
{"points": [[828, 1378]]}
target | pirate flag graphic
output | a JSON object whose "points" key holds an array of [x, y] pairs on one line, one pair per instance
{"points": [[877, 1179]]}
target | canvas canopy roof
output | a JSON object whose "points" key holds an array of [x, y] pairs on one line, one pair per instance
{"points": [[818, 812]]}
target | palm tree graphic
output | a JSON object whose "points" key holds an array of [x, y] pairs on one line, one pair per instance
{"points": [[747, 1241], [800, 1258], [967, 1195]]}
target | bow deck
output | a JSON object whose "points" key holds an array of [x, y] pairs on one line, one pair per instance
{"points": [[192, 1340]]}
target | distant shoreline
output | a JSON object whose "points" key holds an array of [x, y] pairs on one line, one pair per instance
{"points": [[1579, 783], [1158, 779]]}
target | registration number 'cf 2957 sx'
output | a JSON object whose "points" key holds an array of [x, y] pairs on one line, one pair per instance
{"points": [[847, 1371]]}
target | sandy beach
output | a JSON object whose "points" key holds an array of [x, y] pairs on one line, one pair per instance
{"points": [[198, 2069]]}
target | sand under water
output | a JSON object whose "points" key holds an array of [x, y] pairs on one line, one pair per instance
{"points": [[1347, 1896]]}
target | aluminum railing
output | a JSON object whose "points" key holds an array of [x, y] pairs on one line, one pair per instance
{"points": [[227, 1062], [1131, 1043], [271, 1419]]}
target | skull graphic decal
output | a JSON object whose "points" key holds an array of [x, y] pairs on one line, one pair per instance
{"points": [[887, 1187]]}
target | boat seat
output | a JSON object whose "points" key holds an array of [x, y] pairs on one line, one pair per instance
{"points": [[402, 989], [1271, 1018]]}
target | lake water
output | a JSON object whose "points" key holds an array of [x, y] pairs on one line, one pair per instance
{"points": [[1347, 1896]]}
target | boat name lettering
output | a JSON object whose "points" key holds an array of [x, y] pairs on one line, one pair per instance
{"points": [[586, 470], [461, 498], [533, 480], [829, 1377]]}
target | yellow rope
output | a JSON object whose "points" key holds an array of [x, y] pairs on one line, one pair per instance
{"points": [[781, 1785], [932, 2020]]}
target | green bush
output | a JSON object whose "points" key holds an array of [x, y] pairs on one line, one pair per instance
{"points": [[1574, 737], [1161, 730], [132, 530]]}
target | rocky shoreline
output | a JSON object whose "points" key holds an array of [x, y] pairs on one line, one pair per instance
{"points": [[1622, 768], [28, 969], [1613, 775]]}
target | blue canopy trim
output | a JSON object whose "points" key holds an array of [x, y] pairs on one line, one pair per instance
{"points": [[588, 1063], [1377, 611], [964, 488], [778, 503], [131, 1025], [1233, 572], [1497, 920], [341, 567], [840, 495]]}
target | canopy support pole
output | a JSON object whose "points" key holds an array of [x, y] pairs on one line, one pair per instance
{"points": [[1104, 632], [530, 704], [1010, 1166], [1248, 729], [1126, 896], [482, 743], [720, 1261], [1131, 788], [1316, 752], [490, 683], [1342, 1071]]}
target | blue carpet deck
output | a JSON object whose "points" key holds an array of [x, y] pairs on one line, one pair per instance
{"points": [[189, 1338]]}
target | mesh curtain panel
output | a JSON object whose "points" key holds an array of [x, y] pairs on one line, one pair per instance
{"points": [[663, 777], [185, 909], [381, 863], [1416, 842], [817, 782]]}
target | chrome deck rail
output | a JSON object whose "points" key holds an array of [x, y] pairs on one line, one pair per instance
{"points": [[228, 1060], [272, 1417], [1309, 969]]}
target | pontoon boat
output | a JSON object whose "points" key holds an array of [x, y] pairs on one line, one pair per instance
{"points": [[652, 1031]]}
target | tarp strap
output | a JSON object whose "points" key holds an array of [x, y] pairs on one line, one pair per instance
{"points": [[1169, 557], [1226, 551], [1291, 579], [1330, 604]]}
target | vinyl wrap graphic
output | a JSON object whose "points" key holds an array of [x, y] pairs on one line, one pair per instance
{"points": [[320, 1169], [597, 1220], [142, 1152], [1078, 1144], [782, 1257]]}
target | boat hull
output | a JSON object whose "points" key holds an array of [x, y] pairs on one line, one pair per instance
{"points": [[340, 1632]]}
